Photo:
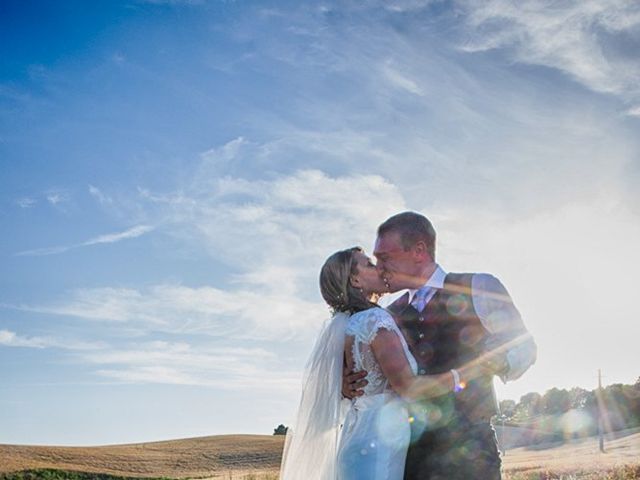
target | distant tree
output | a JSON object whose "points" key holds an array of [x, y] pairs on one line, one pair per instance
{"points": [[529, 406], [579, 397], [508, 408], [632, 392], [280, 430], [556, 401], [618, 404]]}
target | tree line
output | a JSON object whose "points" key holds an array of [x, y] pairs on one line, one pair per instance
{"points": [[562, 413]]}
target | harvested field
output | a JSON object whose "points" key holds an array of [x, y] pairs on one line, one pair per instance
{"points": [[213, 457], [579, 459], [257, 457]]}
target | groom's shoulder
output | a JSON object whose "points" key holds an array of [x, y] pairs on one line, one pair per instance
{"points": [[467, 282], [458, 277], [456, 282]]}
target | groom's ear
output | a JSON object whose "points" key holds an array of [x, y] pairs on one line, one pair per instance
{"points": [[420, 250]]}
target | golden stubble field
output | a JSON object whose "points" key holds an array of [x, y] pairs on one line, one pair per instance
{"points": [[258, 456], [224, 456]]}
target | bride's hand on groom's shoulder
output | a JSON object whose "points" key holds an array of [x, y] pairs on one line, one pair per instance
{"points": [[353, 383]]}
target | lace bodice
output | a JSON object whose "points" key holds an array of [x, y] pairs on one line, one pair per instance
{"points": [[364, 327]]}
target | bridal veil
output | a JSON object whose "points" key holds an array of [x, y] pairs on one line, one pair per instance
{"points": [[311, 446]]}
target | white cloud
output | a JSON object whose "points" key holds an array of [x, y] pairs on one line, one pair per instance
{"points": [[176, 363], [178, 309], [101, 197], [133, 232], [12, 339], [226, 153], [402, 81], [573, 37], [26, 202], [183, 364], [175, 3], [288, 222], [274, 234], [634, 111], [42, 251], [56, 197], [403, 6]]}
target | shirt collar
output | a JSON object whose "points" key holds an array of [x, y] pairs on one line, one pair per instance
{"points": [[436, 280]]}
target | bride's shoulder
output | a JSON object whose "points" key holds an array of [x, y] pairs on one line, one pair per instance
{"points": [[370, 316], [369, 312]]}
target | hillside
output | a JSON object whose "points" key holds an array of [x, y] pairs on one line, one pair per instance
{"points": [[239, 456], [193, 457]]}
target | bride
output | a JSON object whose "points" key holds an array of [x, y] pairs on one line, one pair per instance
{"points": [[365, 438]]}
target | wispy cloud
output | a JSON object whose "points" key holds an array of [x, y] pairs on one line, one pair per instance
{"points": [[275, 234], [101, 197], [12, 339], [258, 225], [583, 38], [107, 238], [176, 3], [184, 364], [402, 81], [634, 111], [116, 237], [225, 153], [175, 363], [183, 310], [56, 197], [26, 202]]}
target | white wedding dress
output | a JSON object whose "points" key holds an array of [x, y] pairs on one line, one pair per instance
{"points": [[376, 431], [337, 439]]}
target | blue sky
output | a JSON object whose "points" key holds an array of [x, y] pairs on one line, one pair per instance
{"points": [[173, 174]]}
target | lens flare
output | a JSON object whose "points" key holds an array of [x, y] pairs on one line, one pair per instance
{"points": [[392, 425], [576, 423], [457, 304]]}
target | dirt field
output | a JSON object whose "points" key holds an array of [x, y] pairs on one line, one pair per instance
{"points": [[238, 457]]}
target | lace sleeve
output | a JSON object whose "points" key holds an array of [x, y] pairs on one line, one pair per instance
{"points": [[377, 319]]}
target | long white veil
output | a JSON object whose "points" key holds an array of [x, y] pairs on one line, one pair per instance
{"points": [[311, 446]]}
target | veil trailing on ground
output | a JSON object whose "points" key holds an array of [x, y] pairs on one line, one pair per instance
{"points": [[311, 446]]}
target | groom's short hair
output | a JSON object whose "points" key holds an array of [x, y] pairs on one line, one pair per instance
{"points": [[412, 228]]}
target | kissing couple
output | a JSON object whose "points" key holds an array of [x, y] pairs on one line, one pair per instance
{"points": [[406, 391]]}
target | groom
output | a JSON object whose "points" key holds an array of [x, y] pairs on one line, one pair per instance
{"points": [[449, 319]]}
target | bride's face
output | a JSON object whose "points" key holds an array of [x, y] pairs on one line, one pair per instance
{"points": [[367, 278]]}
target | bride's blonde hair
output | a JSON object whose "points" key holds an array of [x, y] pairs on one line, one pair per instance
{"points": [[335, 283]]}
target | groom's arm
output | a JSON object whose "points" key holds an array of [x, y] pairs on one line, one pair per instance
{"points": [[510, 347]]}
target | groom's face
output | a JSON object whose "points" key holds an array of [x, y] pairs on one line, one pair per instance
{"points": [[395, 264]]}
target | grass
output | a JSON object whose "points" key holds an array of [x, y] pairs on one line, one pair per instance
{"points": [[54, 474], [625, 472]]}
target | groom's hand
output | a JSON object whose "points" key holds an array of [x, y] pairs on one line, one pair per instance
{"points": [[353, 383]]}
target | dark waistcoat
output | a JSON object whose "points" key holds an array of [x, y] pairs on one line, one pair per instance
{"points": [[445, 335]]}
